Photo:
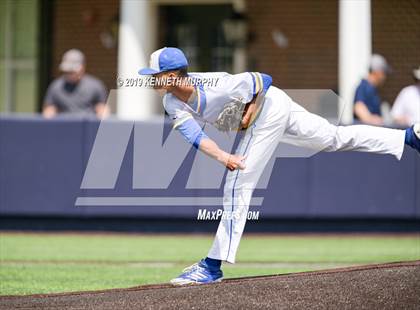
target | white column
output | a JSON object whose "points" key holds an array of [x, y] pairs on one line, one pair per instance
{"points": [[8, 95], [137, 36], [355, 49]]}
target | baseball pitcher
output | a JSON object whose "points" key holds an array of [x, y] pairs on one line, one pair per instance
{"points": [[247, 101]]}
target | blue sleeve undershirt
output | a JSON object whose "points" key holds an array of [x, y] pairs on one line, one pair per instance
{"points": [[263, 78], [267, 80], [192, 132]]}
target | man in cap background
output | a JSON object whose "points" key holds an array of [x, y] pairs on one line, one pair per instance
{"points": [[367, 103], [406, 108], [75, 92]]}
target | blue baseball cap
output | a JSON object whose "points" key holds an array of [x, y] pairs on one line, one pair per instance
{"points": [[165, 59]]}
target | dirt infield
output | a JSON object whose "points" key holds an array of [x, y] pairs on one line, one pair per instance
{"points": [[385, 286]]}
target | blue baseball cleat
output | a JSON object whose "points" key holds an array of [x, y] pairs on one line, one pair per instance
{"points": [[412, 136], [199, 273]]}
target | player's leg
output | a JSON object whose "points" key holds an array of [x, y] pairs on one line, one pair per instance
{"points": [[309, 130], [258, 145]]}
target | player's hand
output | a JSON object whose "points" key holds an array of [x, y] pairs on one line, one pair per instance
{"points": [[235, 162]]}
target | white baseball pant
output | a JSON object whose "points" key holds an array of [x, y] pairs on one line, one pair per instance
{"points": [[282, 120]]}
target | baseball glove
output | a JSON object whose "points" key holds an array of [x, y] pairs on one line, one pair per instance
{"points": [[231, 116]]}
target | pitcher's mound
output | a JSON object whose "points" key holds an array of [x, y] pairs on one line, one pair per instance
{"points": [[385, 286]]}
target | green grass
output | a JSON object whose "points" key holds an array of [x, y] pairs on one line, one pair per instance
{"points": [[40, 263]]}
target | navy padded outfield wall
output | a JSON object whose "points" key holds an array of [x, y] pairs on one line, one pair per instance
{"points": [[42, 165]]}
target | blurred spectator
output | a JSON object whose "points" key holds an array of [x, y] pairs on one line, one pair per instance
{"points": [[367, 103], [406, 108], [75, 91]]}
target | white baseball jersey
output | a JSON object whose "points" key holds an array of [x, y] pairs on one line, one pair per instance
{"points": [[213, 92]]}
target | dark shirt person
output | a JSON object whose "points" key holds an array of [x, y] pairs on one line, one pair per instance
{"points": [[367, 103], [75, 92]]}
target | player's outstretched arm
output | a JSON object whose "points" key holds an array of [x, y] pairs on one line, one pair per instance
{"points": [[193, 133], [231, 161]]}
